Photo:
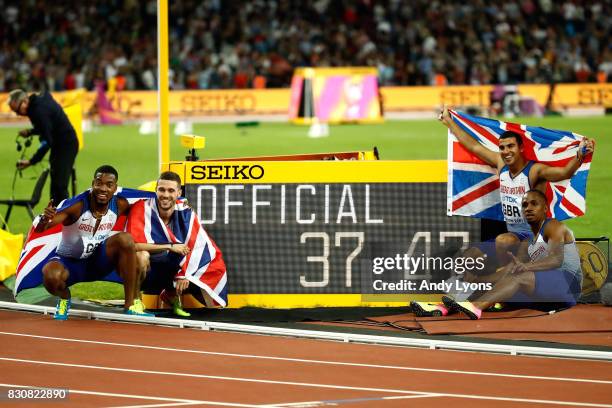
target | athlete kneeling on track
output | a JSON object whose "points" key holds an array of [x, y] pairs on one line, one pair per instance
{"points": [[160, 263], [87, 252]]}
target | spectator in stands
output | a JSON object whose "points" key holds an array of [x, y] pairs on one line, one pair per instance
{"points": [[211, 42]]}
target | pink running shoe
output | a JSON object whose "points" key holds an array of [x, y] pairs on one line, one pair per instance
{"points": [[428, 309]]}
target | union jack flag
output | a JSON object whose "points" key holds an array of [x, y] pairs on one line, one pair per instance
{"points": [[39, 247], [473, 185], [203, 265]]}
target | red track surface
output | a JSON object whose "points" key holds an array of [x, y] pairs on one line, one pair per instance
{"points": [[150, 366]]}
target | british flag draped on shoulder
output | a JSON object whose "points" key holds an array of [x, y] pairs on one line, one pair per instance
{"points": [[203, 266], [39, 247], [473, 185]]}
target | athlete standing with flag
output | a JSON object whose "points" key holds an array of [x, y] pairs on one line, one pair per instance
{"points": [[517, 175], [87, 252]]}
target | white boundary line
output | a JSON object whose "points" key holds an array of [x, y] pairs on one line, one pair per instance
{"points": [[308, 361], [303, 384], [347, 400], [345, 337]]}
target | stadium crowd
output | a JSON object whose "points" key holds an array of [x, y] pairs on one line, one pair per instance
{"points": [[238, 44]]}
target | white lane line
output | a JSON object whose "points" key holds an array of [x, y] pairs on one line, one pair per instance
{"points": [[411, 396], [302, 384], [300, 360], [347, 401], [172, 401]]}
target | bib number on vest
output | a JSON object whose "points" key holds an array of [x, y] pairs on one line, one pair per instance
{"points": [[91, 247], [511, 211]]}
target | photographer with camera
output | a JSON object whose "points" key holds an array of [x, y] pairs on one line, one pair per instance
{"points": [[55, 133]]}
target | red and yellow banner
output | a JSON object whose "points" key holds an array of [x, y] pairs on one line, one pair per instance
{"points": [[136, 104], [409, 98], [140, 104]]}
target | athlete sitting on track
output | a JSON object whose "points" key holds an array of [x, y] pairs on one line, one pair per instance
{"points": [[552, 274], [86, 251]]}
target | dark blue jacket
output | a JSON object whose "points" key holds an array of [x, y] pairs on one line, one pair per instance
{"points": [[53, 127]]}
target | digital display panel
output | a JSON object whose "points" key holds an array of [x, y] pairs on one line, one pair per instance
{"points": [[314, 228]]}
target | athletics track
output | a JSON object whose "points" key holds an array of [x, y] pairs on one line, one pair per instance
{"points": [[112, 364]]}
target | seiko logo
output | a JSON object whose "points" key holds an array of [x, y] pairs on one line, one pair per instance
{"points": [[227, 172]]}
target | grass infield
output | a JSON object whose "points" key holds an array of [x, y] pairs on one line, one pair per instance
{"points": [[135, 155]]}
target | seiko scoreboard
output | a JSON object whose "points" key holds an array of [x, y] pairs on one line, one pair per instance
{"points": [[304, 233]]}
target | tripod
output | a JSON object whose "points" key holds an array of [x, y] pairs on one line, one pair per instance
{"points": [[23, 149]]}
